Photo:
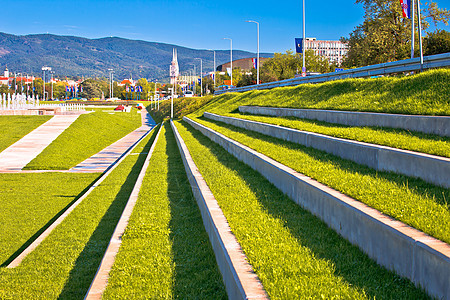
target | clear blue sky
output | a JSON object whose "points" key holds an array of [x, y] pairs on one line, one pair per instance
{"points": [[196, 24]]}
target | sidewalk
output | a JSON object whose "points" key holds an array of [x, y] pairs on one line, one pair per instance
{"points": [[19, 154]]}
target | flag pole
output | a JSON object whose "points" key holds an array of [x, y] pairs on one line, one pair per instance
{"points": [[420, 35], [412, 28]]}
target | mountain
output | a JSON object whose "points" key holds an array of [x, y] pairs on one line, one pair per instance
{"points": [[77, 56]]}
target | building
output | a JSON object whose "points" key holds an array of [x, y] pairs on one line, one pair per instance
{"points": [[246, 64], [334, 51]]}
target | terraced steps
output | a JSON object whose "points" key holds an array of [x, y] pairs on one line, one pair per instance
{"points": [[393, 245], [433, 169]]}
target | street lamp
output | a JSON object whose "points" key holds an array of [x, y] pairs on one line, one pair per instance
{"points": [[111, 88], [45, 69], [214, 70], [201, 76], [51, 81], [231, 58], [257, 39], [171, 104], [195, 78], [303, 42]]}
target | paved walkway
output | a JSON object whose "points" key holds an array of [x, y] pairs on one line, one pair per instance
{"points": [[102, 160], [14, 159], [19, 154]]}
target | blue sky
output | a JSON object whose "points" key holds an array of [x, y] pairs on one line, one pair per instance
{"points": [[196, 24]]}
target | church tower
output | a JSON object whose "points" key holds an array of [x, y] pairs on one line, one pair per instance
{"points": [[174, 69]]}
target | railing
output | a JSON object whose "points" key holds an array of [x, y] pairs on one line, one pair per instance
{"points": [[407, 65]]}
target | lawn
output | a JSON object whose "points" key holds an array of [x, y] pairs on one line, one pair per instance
{"points": [[64, 264], [295, 255], [16, 127], [165, 252], [89, 134], [412, 201]]}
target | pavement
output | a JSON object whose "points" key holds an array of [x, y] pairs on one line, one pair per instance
{"points": [[17, 156]]}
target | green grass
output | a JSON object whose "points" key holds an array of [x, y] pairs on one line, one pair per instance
{"points": [[65, 263], [181, 107], [425, 93], [165, 252], [412, 201], [295, 255], [396, 138], [30, 202], [89, 134], [16, 127]]}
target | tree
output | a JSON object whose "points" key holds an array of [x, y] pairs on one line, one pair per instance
{"points": [[91, 89], [285, 66], [385, 35], [437, 42]]}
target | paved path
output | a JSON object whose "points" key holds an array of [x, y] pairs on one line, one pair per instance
{"points": [[18, 155], [102, 160]]}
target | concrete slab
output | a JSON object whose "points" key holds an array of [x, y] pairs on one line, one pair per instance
{"points": [[431, 168], [18, 155], [240, 280], [409, 252], [439, 125]]}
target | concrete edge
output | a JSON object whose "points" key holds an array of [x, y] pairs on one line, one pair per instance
{"points": [[409, 252], [238, 276], [431, 168], [439, 125], [61, 218], [100, 281]]}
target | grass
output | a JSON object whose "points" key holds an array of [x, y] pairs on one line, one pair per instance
{"points": [[396, 138], [181, 107], [30, 202], [65, 263], [165, 252], [295, 255], [89, 134], [412, 201], [425, 93], [16, 127]]}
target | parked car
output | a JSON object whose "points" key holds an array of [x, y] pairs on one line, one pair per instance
{"points": [[188, 94]]}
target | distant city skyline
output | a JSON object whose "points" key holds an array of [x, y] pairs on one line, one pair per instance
{"points": [[200, 25]]}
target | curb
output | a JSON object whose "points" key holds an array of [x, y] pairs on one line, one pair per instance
{"points": [[240, 280], [409, 252]]}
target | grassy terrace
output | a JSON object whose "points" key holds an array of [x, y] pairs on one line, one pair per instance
{"points": [[165, 251], [181, 107], [30, 202], [396, 138], [92, 133], [412, 201], [425, 93], [16, 127], [64, 265], [295, 255]]}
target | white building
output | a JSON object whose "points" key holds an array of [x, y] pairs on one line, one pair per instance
{"points": [[334, 51]]}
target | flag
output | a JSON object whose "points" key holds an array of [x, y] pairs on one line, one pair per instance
{"points": [[299, 45], [67, 89], [132, 88], [127, 88], [406, 4], [229, 71], [255, 62]]}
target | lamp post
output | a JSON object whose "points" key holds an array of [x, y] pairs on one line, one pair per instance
{"points": [[231, 58], [257, 40], [45, 69], [171, 103], [201, 76], [111, 91], [214, 70], [51, 81]]}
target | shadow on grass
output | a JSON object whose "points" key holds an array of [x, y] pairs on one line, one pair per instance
{"points": [[196, 273], [89, 259], [438, 194], [350, 263], [47, 225]]}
